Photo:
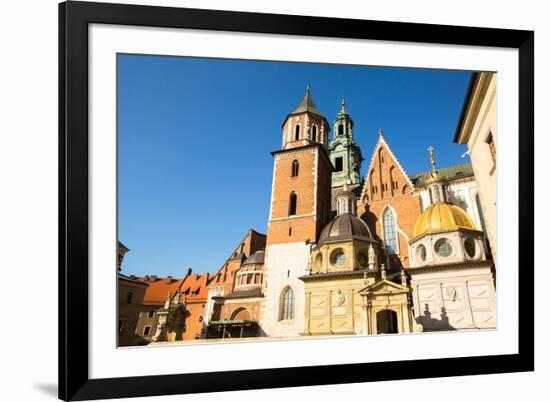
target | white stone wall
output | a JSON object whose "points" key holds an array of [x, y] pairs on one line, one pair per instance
{"points": [[459, 298], [484, 168], [284, 264]]}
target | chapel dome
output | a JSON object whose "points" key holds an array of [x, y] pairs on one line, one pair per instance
{"points": [[345, 227], [442, 217]]}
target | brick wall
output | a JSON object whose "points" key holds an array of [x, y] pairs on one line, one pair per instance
{"points": [[388, 186], [312, 188]]}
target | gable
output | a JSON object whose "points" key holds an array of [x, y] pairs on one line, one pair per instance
{"points": [[385, 177], [384, 286]]}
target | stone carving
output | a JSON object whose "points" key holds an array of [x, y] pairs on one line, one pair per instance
{"points": [[383, 271], [340, 298], [372, 257], [451, 293]]}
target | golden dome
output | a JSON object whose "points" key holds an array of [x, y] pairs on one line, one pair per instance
{"points": [[442, 217]]}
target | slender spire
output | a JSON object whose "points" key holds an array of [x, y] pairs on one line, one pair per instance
{"points": [[307, 104], [432, 157], [343, 105], [380, 132]]}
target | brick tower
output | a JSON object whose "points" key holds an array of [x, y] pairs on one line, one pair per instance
{"points": [[300, 207]]}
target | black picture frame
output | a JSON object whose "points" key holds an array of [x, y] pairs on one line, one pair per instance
{"points": [[74, 18]]}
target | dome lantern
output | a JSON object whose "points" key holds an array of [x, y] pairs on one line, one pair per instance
{"points": [[437, 183], [345, 201]]}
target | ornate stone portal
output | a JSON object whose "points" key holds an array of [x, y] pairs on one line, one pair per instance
{"points": [[386, 308]]}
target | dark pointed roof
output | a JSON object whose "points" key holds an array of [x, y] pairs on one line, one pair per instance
{"points": [[307, 105]]}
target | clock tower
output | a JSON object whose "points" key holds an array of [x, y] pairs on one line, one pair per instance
{"points": [[300, 208]]}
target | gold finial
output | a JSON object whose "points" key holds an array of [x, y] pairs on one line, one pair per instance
{"points": [[343, 104], [432, 157]]}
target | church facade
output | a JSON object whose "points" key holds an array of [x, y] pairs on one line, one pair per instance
{"points": [[345, 255], [392, 253]]}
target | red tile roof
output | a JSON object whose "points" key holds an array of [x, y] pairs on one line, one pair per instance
{"points": [[158, 289]]}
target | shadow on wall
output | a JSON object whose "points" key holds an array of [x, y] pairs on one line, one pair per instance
{"points": [[371, 220], [393, 262], [458, 199], [430, 324]]}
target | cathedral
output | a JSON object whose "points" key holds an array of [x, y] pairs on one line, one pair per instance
{"points": [[345, 255]]}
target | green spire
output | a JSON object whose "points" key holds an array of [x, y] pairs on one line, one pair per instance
{"points": [[345, 154]]}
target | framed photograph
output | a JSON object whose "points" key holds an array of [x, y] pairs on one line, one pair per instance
{"points": [[258, 201]]}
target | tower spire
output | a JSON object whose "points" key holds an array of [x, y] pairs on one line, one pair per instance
{"points": [[436, 183], [345, 153], [432, 157]]}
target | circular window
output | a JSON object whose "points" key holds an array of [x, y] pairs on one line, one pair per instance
{"points": [[470, 247], [318, 261], [362, 259], [443, 248], [338, 257], [421, 253]]}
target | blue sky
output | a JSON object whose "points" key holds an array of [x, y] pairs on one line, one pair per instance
{"points": [[195, 137]]}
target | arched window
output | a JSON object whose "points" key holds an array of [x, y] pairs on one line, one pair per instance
{"points": [[314, 133], [340, 129], [287, 304], [292, 204], [297, 132], [390, 231], [294, 168]]}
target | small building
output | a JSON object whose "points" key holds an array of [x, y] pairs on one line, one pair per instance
{"points": [[477, 128], [347, 290], [450, 275], [235, 292], [130, 304], [131, 293], [187, 294]]}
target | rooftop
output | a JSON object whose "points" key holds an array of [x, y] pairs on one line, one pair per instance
{"points": [[451, 173]]}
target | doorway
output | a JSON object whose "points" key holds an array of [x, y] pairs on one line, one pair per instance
{"points": [[386, 322]]}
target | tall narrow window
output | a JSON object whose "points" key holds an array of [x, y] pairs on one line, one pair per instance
{"points": [[297, 133], [340, 129], [287, 305], [292, 204], [294, 168], [491, 143], [390, 231], [339, 164], [314, 133]]}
